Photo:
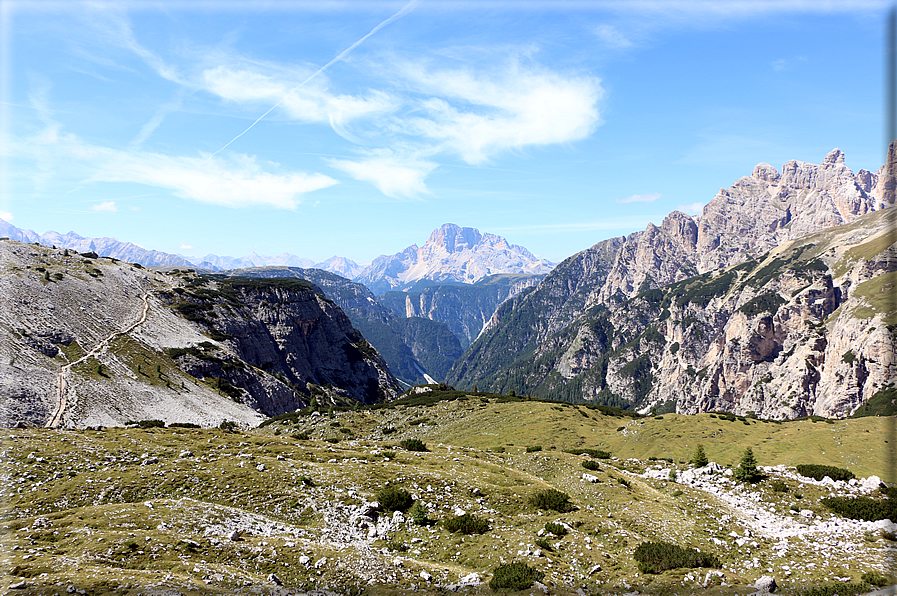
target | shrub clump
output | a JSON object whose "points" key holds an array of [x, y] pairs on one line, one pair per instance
{"points": [[466, 524], [516, 576], [544, 544], [419, 514], [817, 472], [862, 508], [413, 445], [394, 499], [555, 528], [533, 448], [591, 465], [596, 453], [657, 557], [552, 500]]}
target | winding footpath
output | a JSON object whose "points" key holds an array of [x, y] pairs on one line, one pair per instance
{"points": [[64, 371]]}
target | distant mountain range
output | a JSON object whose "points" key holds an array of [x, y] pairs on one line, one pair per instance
{"points": [[452, 254]]}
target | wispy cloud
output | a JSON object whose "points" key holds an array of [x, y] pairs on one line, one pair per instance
{"points": [[185, 246], [161, 112], [479, 114], [6, 216], [613, 38], [106, 206], [237, 180], [395, 176], [646, 198]]}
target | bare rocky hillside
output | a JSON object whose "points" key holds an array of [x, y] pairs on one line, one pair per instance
{"points": [[95, 341]]}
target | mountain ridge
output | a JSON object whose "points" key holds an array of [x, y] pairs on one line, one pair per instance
{"points": [[522, 344]]}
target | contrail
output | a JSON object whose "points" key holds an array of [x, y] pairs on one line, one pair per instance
{"points": [[405, 10]]}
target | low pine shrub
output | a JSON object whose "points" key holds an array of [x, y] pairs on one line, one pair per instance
{"points": [[301, 436], [552, 500], [150, 424], [657, 557], [413, 445], [544, 544], [591, 465], [862, 508], [389, 454], [388, 430], [596, 453], [556, 529], [466, 524], [394, 499], [534, 448], [851, 589], [514, 576], [876, 579], [778, 486], [419, 514], [184, 425], [818, 472]]}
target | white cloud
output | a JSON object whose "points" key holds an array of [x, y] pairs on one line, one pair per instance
{"points": [[311, 103], [612, 37], [480, 114], [646, 198], [692, 208], [6, 216], [186, 246], [107, 206], [238, 180], [395, 176]]}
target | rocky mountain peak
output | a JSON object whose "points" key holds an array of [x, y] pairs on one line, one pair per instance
{"points": [[452, 254], [453, 238], [835, 156], [766, 173]]}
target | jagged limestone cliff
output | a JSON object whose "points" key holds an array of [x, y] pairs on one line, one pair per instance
{"points": [[590, 330]]}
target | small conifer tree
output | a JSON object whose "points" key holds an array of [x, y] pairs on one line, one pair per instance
{"points": [[699, 459], [747, 470]]}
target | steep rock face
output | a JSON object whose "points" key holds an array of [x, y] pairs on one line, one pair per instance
{"points": [[562, 348], [525, 320], [745, 221], [288, 328], [806, 330], [387, 332], [465, 309], [451, 254]]}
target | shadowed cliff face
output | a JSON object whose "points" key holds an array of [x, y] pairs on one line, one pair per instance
{"points": [[660, 318], [287, 328]]}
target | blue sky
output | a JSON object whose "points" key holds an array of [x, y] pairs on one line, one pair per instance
{"points": [[356, 128]]}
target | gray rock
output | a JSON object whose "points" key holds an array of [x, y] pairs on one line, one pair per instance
{"points": [[765, 584], [234, 535], [275, 580]]}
